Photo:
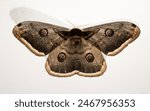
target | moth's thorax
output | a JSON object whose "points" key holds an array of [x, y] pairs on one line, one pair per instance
{"points": [[75, 42], [75, 45], [75, 32]]}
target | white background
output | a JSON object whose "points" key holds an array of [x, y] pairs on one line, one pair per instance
{"points": [[128, 72]]}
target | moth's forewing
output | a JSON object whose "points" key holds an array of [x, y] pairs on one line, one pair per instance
{"points": [[112, 38], [40, 38]]}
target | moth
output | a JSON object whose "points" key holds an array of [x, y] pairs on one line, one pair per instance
{"points": [[76, 51]]}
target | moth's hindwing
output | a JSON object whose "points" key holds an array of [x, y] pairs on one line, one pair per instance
{"points": [[62, 64], [112, 38], [40, 38]]}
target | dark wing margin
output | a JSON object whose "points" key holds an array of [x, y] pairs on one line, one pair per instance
{"points": [[112, 38], [40, 38]]}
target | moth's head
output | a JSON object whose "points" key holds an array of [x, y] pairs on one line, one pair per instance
{"points": [[27, 28], [76, 33]]}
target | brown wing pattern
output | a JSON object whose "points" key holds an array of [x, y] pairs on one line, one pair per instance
{"points": [[75, 54], [61, 63], [112, 38], [40, 38]]}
